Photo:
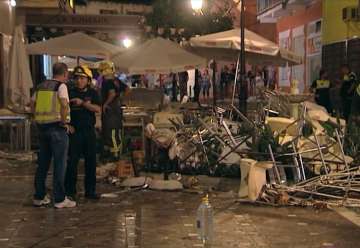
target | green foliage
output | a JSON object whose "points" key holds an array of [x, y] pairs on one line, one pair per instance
{"points": [[179, 14], [352, 142]]}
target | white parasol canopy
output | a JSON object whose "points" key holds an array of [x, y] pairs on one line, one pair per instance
{"points": [[72, 62], [75, 44], [226, 46], [20, 80], [157, 56]]}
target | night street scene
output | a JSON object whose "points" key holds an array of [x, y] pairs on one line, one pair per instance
{"points": [[179, 123]]}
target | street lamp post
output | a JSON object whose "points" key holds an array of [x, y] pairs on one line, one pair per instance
{"points": [[243, 86], [197, 6], [243, 95]]}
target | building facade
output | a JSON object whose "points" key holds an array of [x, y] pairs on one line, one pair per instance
{"points": [[341, 35], [105, 20], [298, 28]]}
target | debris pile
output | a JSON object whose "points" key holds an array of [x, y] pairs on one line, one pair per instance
{"points": [[334, 189], [291, 153]]}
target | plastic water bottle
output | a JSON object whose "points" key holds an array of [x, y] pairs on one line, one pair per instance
{"points": [[204, 221]]}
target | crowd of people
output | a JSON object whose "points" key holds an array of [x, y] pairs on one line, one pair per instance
{"points": [[65, 112], [340, 97]]}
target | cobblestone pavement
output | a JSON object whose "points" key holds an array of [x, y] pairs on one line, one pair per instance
{"points": [[154, 219]]}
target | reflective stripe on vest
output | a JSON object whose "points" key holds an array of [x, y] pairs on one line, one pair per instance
{"points": [[322, 84], [47, 106], [350, 76], [358, 90]]}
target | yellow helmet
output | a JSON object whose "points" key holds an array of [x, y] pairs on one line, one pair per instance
{"points": [[83, 71], [106, 68]]}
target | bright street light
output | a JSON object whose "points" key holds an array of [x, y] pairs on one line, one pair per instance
{"points": [[127, 42], [13, 3], [196, 4]]}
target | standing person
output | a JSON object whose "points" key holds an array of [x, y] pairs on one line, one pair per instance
{"points": [[174, 87], [206, 85], [183, 80], [321, 87], [84, 103], [51, 112], [251, 81], [197, 85], [224, 80], [231, 80], [111, 116], [347, 89]]}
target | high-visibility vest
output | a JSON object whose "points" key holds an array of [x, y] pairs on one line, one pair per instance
{"points": [[47, 105], [350, 76], [322, 84], [358, 90]]}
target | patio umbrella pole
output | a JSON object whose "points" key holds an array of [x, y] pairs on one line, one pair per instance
{"points": [[77, 60], [234, 88], [214, 82], [243, 88]]}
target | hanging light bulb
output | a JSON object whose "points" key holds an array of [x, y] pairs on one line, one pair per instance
{"points": [[196, 4], [127, 42], [12, 3]]}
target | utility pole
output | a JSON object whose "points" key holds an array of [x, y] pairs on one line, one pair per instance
{"points": [[243, 86]]}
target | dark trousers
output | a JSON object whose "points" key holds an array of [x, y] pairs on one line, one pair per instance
{"points": [[111, 133], [346, 104], [324, 100], [53, 142], [82, 142]]}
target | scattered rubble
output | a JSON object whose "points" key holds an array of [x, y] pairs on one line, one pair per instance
{"points": [[23, 156], [290, 153]]}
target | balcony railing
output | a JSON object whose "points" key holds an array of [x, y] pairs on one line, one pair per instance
{"points": [[263, 5]]}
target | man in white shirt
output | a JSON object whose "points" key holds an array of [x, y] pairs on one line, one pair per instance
{"points": [[51, 112]]}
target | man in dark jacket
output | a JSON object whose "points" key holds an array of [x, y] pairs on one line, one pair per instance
{"points": [[347, 90], [84, 104], [321, 87]]}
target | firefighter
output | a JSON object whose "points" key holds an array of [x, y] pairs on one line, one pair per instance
{"points": [[347, 90], [84, 104], [51, 112], [112, 91], [321, 87]]}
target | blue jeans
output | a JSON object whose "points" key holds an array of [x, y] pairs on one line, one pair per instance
{"points": [[54, 143]]}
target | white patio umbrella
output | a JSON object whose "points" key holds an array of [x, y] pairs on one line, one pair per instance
{"points": [[73, 62], [226, 46], [75, 44], [157, 56], [20, 80]]}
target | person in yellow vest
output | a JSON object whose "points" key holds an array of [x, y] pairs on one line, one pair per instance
{"points": [[84, 103], [51, 113], [347, 90], [321, 88]]}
